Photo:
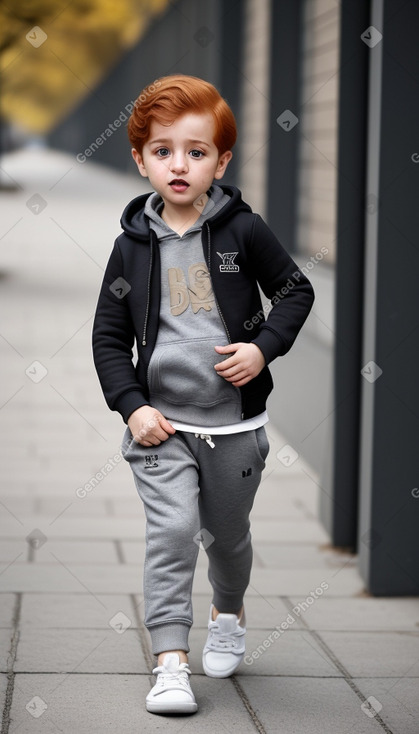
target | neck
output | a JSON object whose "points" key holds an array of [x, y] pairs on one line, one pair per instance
{"points": [[181, 219]]}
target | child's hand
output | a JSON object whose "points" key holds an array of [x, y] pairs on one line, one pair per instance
{"points": [[245, 364], [149, 427]]}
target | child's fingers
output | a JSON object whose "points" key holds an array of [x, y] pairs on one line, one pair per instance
{"points": [[223, 366], [242, 382], [228, 363], [154, 431], [228, 348], [164, 423], [236, 376], [157, 435], [231, 366], [232, 372]]}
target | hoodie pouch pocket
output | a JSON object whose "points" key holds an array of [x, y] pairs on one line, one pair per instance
{"points": [[183, 373]]}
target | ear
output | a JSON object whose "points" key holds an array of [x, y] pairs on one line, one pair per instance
{"points": [[139, 161], [223, 162]]}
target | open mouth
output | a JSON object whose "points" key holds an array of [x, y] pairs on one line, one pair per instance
{"points": [[178, 184]]}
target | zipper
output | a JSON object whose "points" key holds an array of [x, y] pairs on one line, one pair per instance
{"points": [[209, 270], [219, 309], [147, 309]]}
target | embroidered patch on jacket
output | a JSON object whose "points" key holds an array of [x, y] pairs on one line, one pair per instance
{"points": [[151, 460], [228, 265]]}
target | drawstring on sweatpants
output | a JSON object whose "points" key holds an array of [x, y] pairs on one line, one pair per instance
{"points": [[207, 438]]}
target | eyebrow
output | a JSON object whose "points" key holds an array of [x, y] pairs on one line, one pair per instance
{"points": [[164, 141]]}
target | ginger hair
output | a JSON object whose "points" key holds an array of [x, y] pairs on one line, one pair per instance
{"points": [[171, 97]]}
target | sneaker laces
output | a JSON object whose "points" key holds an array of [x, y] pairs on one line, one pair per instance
{"points": [[179, 676], [223, 641]]}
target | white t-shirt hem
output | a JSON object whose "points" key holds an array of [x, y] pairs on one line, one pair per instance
{"points": [[249, 424]]}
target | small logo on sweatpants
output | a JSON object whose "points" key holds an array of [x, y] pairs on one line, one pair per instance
{"points": [[247, 472], [151, 460]]}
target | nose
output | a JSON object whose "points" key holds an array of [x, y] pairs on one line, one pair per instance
{"points": [[178, 162]]}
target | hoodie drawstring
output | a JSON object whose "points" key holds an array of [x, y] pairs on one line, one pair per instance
{"points": [[207, 438]]}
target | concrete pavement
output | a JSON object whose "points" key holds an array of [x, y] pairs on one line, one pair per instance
{"points": [[322, 655]]}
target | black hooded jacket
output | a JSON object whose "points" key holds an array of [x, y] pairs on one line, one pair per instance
{"points": [[241, 252]]}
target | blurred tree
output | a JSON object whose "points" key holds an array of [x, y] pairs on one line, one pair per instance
{"points": [[52, 54]]}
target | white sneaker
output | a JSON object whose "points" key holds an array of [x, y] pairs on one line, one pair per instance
{"points": [[172, 693], [225, 646]]}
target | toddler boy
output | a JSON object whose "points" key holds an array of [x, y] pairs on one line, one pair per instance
{"points": [[182, 284]]}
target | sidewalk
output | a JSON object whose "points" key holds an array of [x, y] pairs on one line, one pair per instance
{"points": [[75, 657]]}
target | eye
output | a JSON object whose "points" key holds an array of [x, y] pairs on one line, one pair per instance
{"points": [[196, 153], [162, 152]]}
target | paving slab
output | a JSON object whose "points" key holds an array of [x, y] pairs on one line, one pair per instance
{"points": [[7, 606], [108, 489], [127, 506], [372, 613], [301, 555], [306, 531], [82, 611], [93, 505], [77, 527], [133, 551], [293, 653], [65, 489], [52, 506], [69, 551], [3, 689], [283, 508], [94, 704], [12, 505], [399, 700], [299, 582], [376, 654], [5, 644], [262, 613], [279, 492], [75, 577], [308, 705], [84, 651], [11, 548]]}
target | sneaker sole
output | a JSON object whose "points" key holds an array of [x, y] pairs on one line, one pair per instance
{"points": [[219, 673], [171, 708]]}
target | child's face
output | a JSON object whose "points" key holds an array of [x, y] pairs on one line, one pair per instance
{"points": [[181, 160]]}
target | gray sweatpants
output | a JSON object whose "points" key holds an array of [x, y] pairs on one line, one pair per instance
{"points": [[195, 495]]}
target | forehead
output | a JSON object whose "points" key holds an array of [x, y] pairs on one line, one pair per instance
{"points": [[190, 126]]}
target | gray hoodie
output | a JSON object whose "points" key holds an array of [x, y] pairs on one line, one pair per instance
{"points": [[182, 381]]}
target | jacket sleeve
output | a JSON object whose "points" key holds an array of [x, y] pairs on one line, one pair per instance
{"points": [[113, 339], [290, 292]]}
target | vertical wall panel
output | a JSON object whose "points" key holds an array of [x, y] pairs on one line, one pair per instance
{"points": [[317, 165], [254, 132]]}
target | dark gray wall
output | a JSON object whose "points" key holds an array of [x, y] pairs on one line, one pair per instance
{"points": [[388, 473], [339, 500]]}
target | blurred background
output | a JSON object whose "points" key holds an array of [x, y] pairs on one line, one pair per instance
{"points": [[325, 97]]}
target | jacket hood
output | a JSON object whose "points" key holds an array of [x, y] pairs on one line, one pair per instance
{"points": [[135, 222]]}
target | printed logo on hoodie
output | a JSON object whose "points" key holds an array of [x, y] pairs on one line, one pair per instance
{"points": [[198, 293]]}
